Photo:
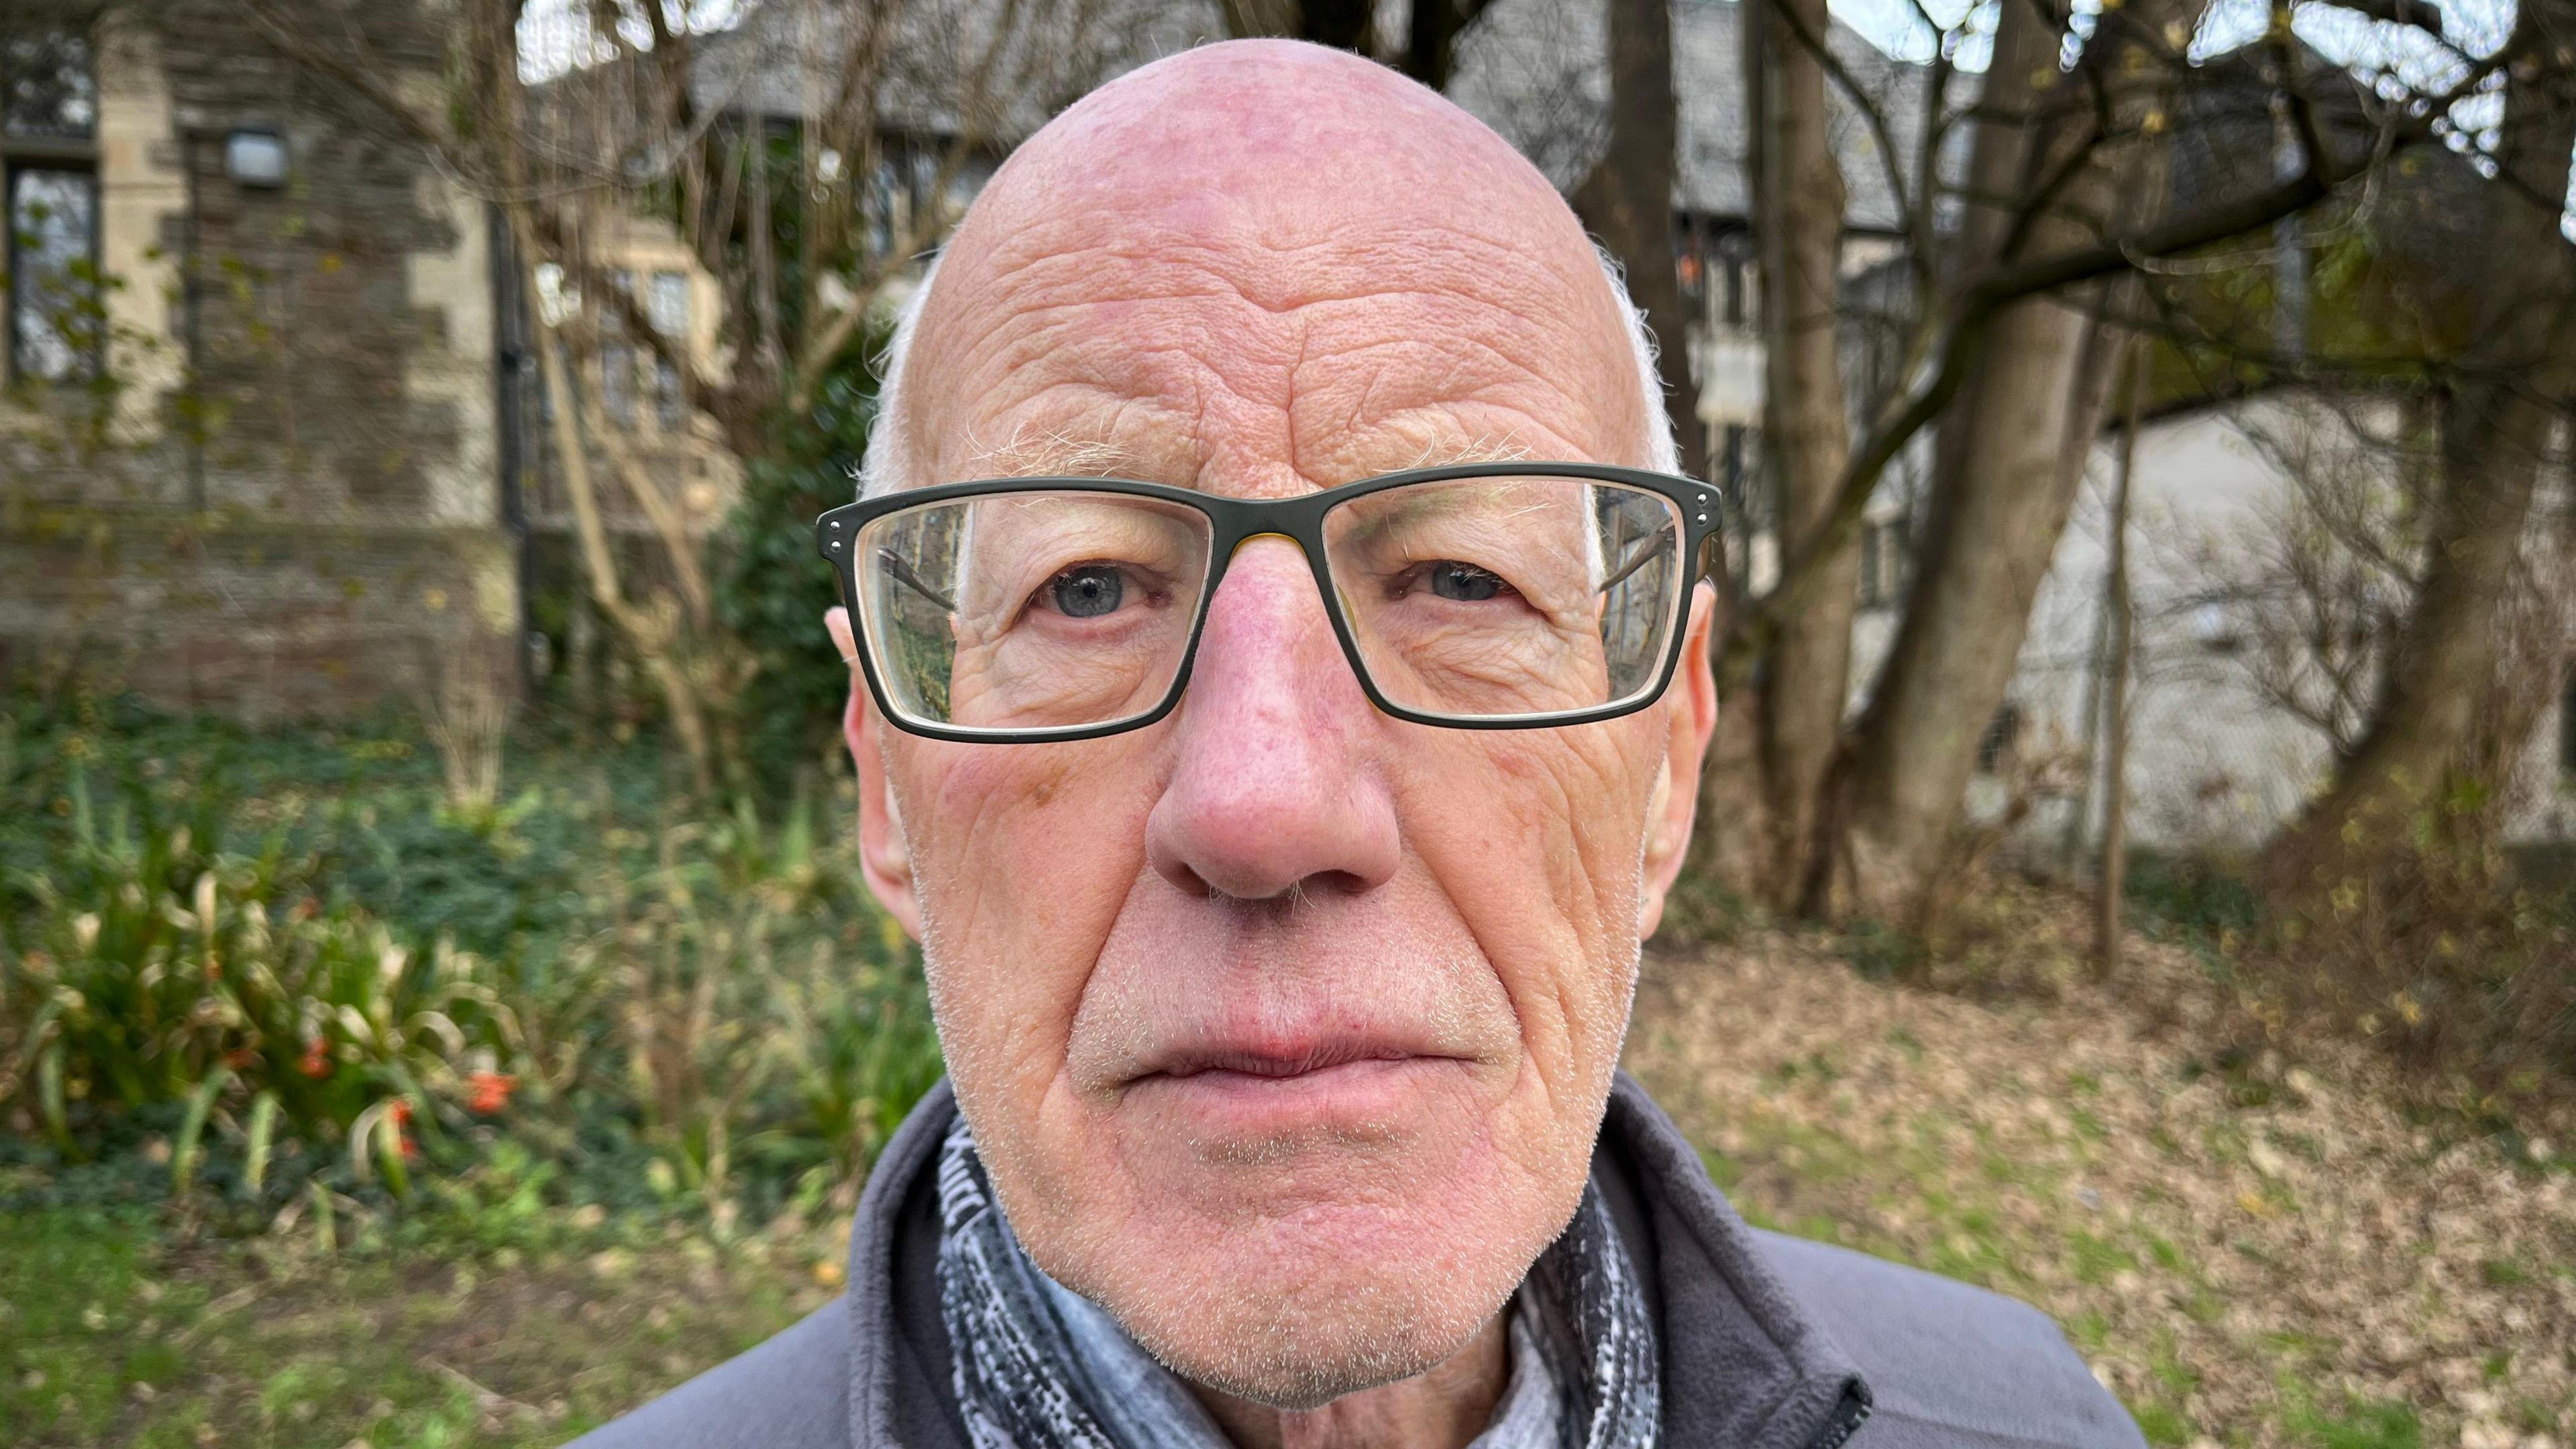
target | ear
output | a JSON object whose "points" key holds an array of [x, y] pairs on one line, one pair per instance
{"points": [[1690, 708], [885, 858]]}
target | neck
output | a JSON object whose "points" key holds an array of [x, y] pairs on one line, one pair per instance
{"points": [[1442, 1407]]}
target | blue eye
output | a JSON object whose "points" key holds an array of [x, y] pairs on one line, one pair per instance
{"points": [[1088, 592], [1451, 579]]}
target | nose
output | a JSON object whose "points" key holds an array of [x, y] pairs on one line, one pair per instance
{"points": [[1274, 789]]}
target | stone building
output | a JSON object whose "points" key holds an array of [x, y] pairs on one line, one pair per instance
{"points": [[271, 435], [251, 453]]}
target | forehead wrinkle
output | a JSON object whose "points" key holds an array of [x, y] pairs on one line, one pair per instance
{"points": [[1481, 361], [1256, 288], [1067, 275]]}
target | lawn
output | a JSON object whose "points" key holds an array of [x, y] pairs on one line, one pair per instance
{"points": [[116, 1333]]}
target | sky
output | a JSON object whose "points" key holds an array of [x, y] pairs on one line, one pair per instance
{"points": [[2475, 26], [553, 35]]}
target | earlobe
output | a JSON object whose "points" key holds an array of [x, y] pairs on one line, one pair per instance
{"points": [[885, 854]]}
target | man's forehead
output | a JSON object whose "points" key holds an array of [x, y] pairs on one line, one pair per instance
{"points": [[1138, 299], [1058, 453]]}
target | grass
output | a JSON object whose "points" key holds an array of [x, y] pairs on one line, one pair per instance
{"points": [[118, 1334]]}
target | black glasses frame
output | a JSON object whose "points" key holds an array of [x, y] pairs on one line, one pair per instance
{"points": [[1234, 521]]}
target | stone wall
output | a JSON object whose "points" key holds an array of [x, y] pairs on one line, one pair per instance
{"points": [[297, 499]]}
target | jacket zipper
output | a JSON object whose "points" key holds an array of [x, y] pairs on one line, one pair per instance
{"points": [[1848, 1415]]}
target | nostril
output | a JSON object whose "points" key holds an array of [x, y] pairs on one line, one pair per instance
{"points": [[1190, 882]]}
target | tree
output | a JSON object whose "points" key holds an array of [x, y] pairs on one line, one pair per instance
{"points": [[1424, 51], [2052, 156], [2501, 406], [801, 158], [2019, 273], [1627, 201], [1806, 424]]}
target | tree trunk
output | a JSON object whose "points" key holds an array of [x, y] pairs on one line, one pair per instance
{"points": [[2007, 463], [1627, 201], [2499, 419], [2110, 883], [2493, 441], [651, 633], [1798, 222]]}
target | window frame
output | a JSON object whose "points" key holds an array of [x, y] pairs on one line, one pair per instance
{"points": [[18, 158], [73, 150]]}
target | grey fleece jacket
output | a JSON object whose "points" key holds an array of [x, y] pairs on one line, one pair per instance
{"points": [[1769, 1342]]}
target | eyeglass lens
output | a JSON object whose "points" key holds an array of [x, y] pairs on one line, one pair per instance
{"points": [[1475, 598]]}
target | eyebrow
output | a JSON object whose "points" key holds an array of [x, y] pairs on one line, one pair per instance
{"points": [[1056, 455], [1068, 455]]}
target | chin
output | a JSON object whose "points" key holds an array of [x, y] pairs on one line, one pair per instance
{"points": [[1296, 1326], [1294, 1281]]}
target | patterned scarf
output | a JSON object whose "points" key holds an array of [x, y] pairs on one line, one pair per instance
{"points": [[1039, 1367]]}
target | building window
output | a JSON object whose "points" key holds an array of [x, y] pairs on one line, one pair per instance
{"points": [[47, 89], [618, 358], [667, 303], [670, 405], [1995, 749], [56, 316], [49, 188]]}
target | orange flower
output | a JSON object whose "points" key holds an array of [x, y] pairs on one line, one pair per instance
{"points": [[317, 1059], [489, 1092], [401, 1114]]}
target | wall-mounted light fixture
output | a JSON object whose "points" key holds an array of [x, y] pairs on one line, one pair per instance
{"points": [[255, 158]]}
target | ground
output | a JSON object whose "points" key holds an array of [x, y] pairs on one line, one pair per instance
{"points": [[2251, 1251]]}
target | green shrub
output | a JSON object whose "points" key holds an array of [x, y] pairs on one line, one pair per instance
{"points": [[772, 588], [670, 1010], [152, 968]]}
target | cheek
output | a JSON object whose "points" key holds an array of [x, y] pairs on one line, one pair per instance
{"points": [[1023, 856], [1536, 836]]}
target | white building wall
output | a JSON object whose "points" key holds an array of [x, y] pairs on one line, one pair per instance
{"points": [[2211, 762]]}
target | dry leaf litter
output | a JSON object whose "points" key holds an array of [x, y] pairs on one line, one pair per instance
{"points": [[2269, 1256]]}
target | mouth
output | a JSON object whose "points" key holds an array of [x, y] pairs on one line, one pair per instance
{"points": [[1233, 1092], [1277, 1066]]}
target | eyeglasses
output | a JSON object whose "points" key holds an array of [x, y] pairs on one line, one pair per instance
{"points": [[1484, 596]]}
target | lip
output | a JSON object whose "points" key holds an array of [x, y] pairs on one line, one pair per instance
{"points": [[1273, 1065], [1240, 1093]]}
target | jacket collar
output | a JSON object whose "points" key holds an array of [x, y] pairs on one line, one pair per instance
{"points": [[1742, 1364]]}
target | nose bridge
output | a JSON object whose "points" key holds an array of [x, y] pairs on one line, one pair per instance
{"points": [[1249, 539], [1258, 608], [1272, 783]]}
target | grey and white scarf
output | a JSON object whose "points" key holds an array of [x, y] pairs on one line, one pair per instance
{"points": [[1037, 1366]]}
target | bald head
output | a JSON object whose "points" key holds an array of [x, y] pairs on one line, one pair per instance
{"points": [[1262, 267]]}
